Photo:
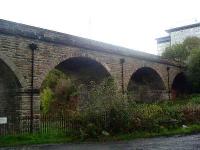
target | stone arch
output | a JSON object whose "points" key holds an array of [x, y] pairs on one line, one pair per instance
{"points": [[180, 85], [85, 69], [161, 70], [81, 70], [61, 59], [146, 85], [14, 69], [10, 87]]}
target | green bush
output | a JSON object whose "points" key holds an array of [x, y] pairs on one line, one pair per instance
{"points": [[147, 116], [191, 113], [105, 111], [56, 91], [47, 97], [172, 115], [194, 99], [135, 117], [105, 108], [193, 69], [52, 79]]}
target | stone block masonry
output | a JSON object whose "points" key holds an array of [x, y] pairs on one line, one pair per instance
{"points": [[55, 48]]}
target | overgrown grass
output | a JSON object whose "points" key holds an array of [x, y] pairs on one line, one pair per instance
{"points": [[55, 138], [36, 138], [192, 129]]}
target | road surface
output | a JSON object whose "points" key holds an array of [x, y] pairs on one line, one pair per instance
{"points": [[190, 142]]}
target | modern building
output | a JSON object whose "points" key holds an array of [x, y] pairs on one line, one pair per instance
{"points": [[177, 35]]}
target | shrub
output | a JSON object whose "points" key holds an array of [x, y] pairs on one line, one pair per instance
{"points": [[147, 116], [57, 93], [193, 69], [105, 111], [47, 97], [191, 113], [106, 108], [64, 89], [195, 99], [52, 79], [172, 115], [122, 116]]}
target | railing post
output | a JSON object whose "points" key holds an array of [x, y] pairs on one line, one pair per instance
{"points": [[169, 93], [122, 60], [33, 47]]}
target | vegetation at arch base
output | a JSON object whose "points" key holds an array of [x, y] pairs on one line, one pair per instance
{"points": [[108, 113], [58, 93]]}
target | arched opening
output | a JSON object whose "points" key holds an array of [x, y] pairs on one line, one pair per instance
{"points": [[69, 75], [180, 86], [83, 70], [9, 86], [146, 85], [9, 100]]}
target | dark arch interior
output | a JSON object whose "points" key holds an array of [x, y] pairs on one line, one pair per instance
{"points": [[9, 86], [83, 70], [146, 85], [180, 86]]}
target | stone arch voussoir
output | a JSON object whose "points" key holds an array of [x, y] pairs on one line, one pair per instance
{"points": [[158, 73], [61, 59], [14, 69]]}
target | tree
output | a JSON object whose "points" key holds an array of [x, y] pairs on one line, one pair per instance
{"points": [[181, 52], [194, 69], [191, 43], [47, 97], [188, 54], [52, 79], [56, 91], [176, 52]]}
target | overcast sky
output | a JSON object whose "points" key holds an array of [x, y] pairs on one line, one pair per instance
{"points": [[129, 23]]}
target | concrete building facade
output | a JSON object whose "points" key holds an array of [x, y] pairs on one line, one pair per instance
{"points": [[177, 35]]}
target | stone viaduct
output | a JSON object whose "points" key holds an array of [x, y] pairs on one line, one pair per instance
{"points": [[67, 52]]}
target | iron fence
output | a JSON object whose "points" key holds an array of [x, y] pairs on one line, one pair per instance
{"points": [[43, 123]]}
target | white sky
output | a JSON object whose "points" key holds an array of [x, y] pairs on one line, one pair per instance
{"points": [[129, 23]]}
